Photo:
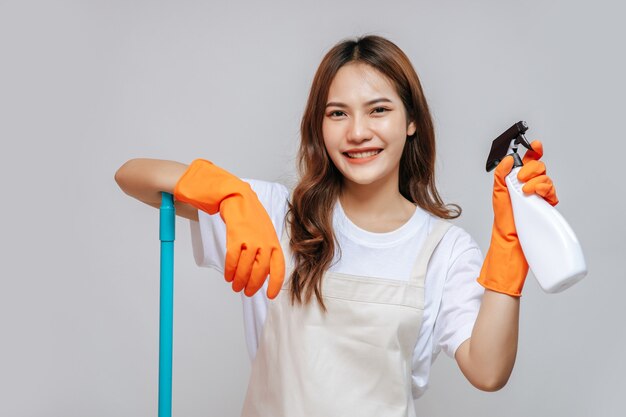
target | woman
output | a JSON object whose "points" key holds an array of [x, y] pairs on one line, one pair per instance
{"points": [[375, 282]]}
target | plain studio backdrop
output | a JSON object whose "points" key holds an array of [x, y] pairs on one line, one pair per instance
{"points": [[87, 85]]}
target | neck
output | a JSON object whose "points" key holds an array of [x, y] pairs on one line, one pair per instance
{"points": [[375, 201]]}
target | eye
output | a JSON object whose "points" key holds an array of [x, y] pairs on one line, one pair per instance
{"points": [[380, 110], [336, 113]]}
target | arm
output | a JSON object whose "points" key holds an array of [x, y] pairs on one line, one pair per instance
{"points": [[487, 358], [252, 247], [145, 179]]}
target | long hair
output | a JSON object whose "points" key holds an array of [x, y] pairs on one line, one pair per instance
{"points": [[312, 240]]}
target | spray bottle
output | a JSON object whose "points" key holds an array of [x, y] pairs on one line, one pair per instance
{"points": [[549, 243]]}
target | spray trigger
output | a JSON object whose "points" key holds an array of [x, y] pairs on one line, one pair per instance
{"points": [[507, 144]]}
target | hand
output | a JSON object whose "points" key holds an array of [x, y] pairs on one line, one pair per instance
{"points": [[505, 268], [533, 174], [252, 247]]}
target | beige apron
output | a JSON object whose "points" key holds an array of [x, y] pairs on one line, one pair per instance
{"points": [[354, 360]]}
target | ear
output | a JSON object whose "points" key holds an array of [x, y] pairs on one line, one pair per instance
{"points": [[411, 129]]}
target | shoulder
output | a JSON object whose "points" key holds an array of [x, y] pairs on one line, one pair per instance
{"points": [[273, 195], [457, 243], [268, 188]]}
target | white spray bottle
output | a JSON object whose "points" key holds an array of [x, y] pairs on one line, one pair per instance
{"points": [[549, 243]]}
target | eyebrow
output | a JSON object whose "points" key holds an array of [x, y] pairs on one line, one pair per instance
{"points": [[369, 103]]}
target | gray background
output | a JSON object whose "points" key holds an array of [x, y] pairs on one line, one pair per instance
{"points": [[85, 86]]}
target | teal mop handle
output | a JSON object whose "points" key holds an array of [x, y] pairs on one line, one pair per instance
{"points": [[167, 214]]}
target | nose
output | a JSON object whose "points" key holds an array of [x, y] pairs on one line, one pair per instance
{"points": [[359, 129]]}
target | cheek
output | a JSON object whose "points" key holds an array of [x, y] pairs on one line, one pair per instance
{"points": [[387, 127], [331, 135], [396, 128], [326, 127]]}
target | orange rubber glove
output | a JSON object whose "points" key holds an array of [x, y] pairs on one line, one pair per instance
{"points": [[505, 268], [252, 247]]}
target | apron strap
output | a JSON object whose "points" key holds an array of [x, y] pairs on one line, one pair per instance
{"points": [[418, 274]]}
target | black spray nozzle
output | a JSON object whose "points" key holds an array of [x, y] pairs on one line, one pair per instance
{"points": [[511, 138]]}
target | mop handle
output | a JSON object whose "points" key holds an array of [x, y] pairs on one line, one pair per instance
{"points": [[167, 214]]}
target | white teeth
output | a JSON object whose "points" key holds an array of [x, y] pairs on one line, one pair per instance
{"points": [[363, 154]]}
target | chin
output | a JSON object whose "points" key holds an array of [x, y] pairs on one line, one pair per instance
{"points": [[362, 180]]}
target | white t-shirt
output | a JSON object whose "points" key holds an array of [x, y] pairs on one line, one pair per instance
{"points": [[452, 294]]}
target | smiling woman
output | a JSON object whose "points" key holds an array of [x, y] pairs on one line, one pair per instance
{"points": [[365, 96], [368, 281]]}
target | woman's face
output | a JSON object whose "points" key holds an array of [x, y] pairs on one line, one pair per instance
{"points": [[365, 114]]}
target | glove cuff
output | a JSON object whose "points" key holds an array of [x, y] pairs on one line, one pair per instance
{"points": [[504, 270], [204, 185]]}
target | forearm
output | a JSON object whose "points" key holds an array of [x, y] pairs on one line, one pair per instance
{"points": [[487, 359], [145, 179]]}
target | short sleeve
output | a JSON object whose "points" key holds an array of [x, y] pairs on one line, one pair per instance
{"points": [[461, 297], [208, 234]]}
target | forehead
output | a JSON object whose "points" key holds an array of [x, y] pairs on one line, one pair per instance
{"points": [[360, 82]]}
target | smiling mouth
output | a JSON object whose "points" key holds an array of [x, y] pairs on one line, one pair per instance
{"points": [[359, 155]]}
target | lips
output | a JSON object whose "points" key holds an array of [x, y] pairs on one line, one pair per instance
{"points": [[362, 149], [362, 153], [363, 158]]}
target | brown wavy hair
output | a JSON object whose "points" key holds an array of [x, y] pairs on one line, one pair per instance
{"points": [[312, 239]]}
